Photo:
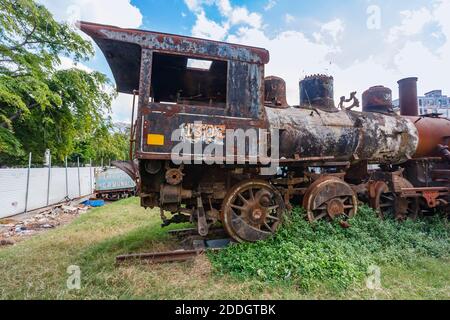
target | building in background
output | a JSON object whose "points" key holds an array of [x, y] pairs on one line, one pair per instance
{"points": [[432, 102]]}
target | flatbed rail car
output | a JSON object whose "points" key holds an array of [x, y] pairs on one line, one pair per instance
{"points": [[193, 92]]}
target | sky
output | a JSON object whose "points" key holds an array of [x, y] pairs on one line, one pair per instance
{"points": [[361, 43]]}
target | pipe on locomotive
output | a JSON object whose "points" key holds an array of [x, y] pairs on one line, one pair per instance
{"points": [[434, 132]]}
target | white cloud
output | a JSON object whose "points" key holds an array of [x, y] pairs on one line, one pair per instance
{"points": [[234, 15], [240, 15], [270, 4], [122, 107], [225, 7], [208, 29], [68, 63], [412, 24], [289, 18], [118, 12], [334, 28]]}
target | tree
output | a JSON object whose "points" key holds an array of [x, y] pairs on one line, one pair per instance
{"points": [[42, 107]]}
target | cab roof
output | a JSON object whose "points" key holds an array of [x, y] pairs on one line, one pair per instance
{"points": [[122, 49]]}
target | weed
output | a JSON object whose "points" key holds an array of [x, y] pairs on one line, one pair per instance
{"points": [[307, 255]]}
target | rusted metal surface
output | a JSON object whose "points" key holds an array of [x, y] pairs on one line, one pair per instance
{"points": [[344, 135], [163, 257], [328, 198], [275, 92], [409, 105], [122, 50], [434, 196], [352, 98], [443, 150], [252, 211], [317, 91], [432, 133], [184, 233], [377, 99], [388, 198]]}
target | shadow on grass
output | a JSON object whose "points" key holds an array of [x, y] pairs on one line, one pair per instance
{"points": [[150, 237]]}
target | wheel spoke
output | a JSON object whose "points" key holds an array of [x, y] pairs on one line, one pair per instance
{"points": [[388, 197], [344, 200], [268, 227], [273, 218], [320, 216], [273, 208], [252, 196], [242, 198], [237, 207]]}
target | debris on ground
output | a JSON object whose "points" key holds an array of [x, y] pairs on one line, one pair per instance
{"points": [[15, 229], [5, 242]]}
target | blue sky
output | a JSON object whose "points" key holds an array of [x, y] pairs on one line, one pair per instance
{"points": [[360, 42]]}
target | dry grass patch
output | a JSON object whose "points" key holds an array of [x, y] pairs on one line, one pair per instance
{"points": [[37, 267]]}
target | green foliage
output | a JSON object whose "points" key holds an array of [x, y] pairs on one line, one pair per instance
{"points": [[307, 255], [107, 143], [31, 42], [9, 145], [42, 107]]}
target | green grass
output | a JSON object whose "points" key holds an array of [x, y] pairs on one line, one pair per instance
{"points": [[311, 255], [413, 258]]}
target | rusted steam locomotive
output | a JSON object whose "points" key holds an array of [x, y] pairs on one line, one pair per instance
{"points": [[329, 158]]}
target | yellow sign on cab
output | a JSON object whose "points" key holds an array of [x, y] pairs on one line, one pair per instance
{"points": [[155, 139]]}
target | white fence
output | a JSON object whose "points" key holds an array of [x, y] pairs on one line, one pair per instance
{"points": [[24, 190]]}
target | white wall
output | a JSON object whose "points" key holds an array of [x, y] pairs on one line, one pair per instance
{"points": [[13, 185]]}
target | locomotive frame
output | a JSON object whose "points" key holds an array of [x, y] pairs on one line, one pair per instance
{"points": [[204, 88]]}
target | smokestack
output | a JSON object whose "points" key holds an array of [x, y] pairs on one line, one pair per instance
{"points": [[275, 92], [317, 91], [408, 97]]}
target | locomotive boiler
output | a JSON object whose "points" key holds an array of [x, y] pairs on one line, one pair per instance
{"points": [[194, 94]]}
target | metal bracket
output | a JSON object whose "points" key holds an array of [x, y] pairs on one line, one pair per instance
{"points": [[202, 224]]}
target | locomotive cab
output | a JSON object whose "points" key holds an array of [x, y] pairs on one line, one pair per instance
{"points": [[200, 86]]}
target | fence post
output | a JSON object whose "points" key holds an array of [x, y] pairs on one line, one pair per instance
{"points": [[67, 181], [90, 177], [28, 182], [49, 178], [101, 163], [79, 181]]}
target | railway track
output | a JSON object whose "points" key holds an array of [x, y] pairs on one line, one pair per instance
{"points": [[164, 257], [199, 247]]}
